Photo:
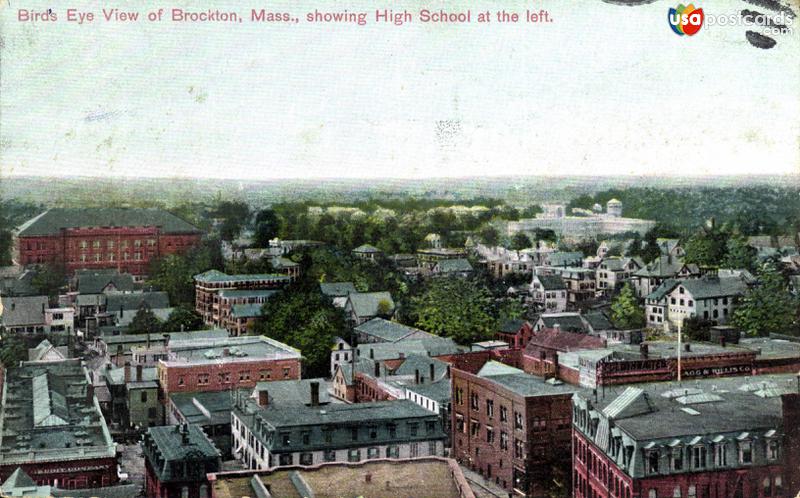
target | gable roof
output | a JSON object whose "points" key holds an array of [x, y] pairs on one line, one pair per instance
{"points": [[366, 303], [453, 265], [95, 282], [512, 326], [598, 320], [388, 331], [702, 288], [572, 322], [560, 340], [153, 300], [52, 221], [337, 289], [551, 282], [23, 310], [17, 480], [562, 258], [665, 266]]}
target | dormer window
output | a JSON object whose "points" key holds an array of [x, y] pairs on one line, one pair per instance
{"points": [[698, 457], [652, 461], [677, 458], [745, 452]]}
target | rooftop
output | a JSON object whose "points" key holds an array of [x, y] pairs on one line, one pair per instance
{"points": [[433, 477], [49, 413], [52, 221], [551, 282], [22, 310], [521, 383], [388, 331], [218, 276], [204, 408], [561, 340], [337, 289], [454, 265], [228, 349], [367, 303], [293, 392], [134, 301]]}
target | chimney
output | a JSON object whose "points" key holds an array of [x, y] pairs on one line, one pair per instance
{"points": [[687, 347], [447, 372], [314, 393], [120, 357], [139, 373], [148, 340], [377, 369], [43, 308], [557, 327], [263, 398], [371, 354], [432, 372], [416, 376], [722, 340], [644, 350], [401, 355], [127, 372], [226, 352], [185, 434], [121, 311], [166, 341]]}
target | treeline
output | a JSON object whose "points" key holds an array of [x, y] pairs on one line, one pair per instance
{"points": [[752, 210]]}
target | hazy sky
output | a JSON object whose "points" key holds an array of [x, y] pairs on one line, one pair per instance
{"points": [[605, 89]]}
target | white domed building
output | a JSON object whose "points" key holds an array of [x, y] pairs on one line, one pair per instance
{"points": [[614, 208]]}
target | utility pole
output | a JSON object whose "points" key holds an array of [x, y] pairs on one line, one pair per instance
{"points": [[680, 326]]}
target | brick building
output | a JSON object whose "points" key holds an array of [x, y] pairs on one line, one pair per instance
{"points": [[211, 287], [222, 364], [511, 427], [177, 460], [515, 333], [699, 441], [52, 427], [126, 239]]}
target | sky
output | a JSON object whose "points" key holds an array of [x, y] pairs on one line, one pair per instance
{"points": [[602, 90]]}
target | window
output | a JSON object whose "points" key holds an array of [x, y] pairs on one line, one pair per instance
{"points": [[137, 256], [306, 438], [767, 485], [143, 397], [110, 244], [327, 434], [652, 462], [430, 427], [354, 433], [503, 414], [264, 374], [244, 376], [698, 457], [413, 428], [652, 493], [96, 244], [414, 447], [286, 459], [180, 380], [519, 449], [503, 440], [517, 420], [489, 435], [393, 430], [672, 300], [84, 244], [373, 453], [677, 492], [772, 449], [98, 257], [432, 448], [778, 491], [473, 401], [286, 439], [460, 425], [285, 373], [137, 243], [691, 303], [677, 458], [720, 455], [745, 452], [474, 428], [459, 396], [489, 408], [202, 379], [330, 455], [306, 459], [392, 452], [692, 491]]}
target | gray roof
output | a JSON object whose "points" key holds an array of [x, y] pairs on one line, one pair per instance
{"points": [[218, 276], [512, 326], [293, 392], [571, 322], [521, 383], [366, 249], [664, 267], [246, 310], [23, 310], [561, 258], [49, 413], [204, 408], [388, 331], [180, 442], [337, 289], [365, 304], [438, 391], [598, 320], [703, 288], [153, 300], [435, 346], [52, 221], [95, 281], [456, 265], [552, 282], [213, 350], [339, 420]]}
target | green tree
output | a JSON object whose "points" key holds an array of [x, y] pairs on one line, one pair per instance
{"points": [[12, 350], [174, 273], [768, 307], [234, 215], [182, 318], [625, 310], [144, 322], [520, 241], [455, 308], [49, 280], [489, 235], [739, 255], [305, 319], [267, 227], [707, 247]]}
